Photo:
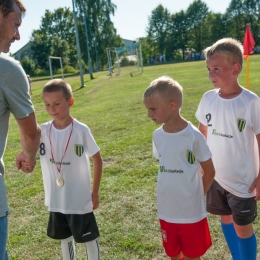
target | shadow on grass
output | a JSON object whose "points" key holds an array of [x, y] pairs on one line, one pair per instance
{"points": [[134, 74]]}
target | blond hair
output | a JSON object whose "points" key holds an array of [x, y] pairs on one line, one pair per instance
{"points": [[167, 88], [56, 85], [231, 48]]}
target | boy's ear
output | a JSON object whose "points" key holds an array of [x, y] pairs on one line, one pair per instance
{"points": [[173, 104], [236, 68], [71, 101]]}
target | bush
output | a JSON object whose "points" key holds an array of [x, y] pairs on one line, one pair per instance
{"points": [[124, 62], [28, 65], [66, 69], [132, 63], [41, 72], [177, 56]]}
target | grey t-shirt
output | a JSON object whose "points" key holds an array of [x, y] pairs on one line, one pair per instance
{"points": [[15, 99]]}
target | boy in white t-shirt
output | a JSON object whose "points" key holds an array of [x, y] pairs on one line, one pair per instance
{"points": [[181, 149], [229, 118], [66, 145]]}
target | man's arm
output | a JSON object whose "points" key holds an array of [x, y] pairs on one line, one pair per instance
{"points": [[30, 134], [256, 183]]}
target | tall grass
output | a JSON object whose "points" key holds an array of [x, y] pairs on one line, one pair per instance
{"points": [[112, 107]]}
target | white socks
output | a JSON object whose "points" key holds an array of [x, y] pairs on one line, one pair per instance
{"points": [[68, 249], [92, 249]]}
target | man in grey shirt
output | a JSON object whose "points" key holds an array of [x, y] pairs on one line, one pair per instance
{"points": [[15, 99]]}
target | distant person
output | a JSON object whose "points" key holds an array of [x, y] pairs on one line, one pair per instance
{"points": [[229, 117], [66, 146], [181, 150], [15, 99], [30, 83], [111, 70]]}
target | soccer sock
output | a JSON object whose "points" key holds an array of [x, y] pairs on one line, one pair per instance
{"points": [[248, 247], [68, 248], [92, 248], [232, 240]]}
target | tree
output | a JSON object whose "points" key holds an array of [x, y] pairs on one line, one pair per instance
{"points": [[158, 28], [214, 28], [147, 50], [236, 19], [197, 13], [55, 37], [41, 48], [101, 30], [179, 36], [252, 11]]}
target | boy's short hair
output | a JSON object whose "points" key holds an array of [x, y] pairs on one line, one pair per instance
{"points": [[7, 6], [232, 48], [167, 88], [56, 85]]}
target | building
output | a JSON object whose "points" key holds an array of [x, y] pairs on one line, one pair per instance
{"points": [[24, 51], [129, 43]]}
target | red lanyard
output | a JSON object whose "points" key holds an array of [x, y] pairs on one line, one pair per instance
{"points": [[52, 157]]}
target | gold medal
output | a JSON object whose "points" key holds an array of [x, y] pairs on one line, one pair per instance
{"points": [[59, 181]]}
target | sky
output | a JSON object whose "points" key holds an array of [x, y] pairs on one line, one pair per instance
{"points": [[130, 19]]}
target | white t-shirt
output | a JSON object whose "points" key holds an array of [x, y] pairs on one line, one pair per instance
{"points": [[75, 196], [232, 126], [180, 193]]}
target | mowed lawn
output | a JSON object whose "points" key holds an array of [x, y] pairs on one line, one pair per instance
{"points": [[113, 109]]}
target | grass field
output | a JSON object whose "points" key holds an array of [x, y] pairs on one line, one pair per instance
{"points": [[112, 107]]}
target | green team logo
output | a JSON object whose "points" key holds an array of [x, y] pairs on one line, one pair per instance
{"points": [[241, 124], [190, 157], [78, 149]]}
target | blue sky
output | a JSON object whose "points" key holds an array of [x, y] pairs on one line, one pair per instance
{"points": [[130, 20]]}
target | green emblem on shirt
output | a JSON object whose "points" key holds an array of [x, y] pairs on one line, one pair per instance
{"points": [[241, 123], [190, 157], [78, 149]]}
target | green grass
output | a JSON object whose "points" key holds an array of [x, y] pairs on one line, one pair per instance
{"points": [[112, 107]]}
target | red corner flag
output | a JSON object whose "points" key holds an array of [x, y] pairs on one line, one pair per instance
{"points": [[249, 42]]}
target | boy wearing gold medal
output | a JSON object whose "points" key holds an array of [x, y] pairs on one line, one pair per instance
{"points": [[66, 145]]}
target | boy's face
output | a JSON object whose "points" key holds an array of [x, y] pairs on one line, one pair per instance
{"points": [[159, 110], [56, 104], [221, 71]]}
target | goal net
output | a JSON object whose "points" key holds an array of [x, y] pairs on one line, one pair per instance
{"points": [[128, 58]]}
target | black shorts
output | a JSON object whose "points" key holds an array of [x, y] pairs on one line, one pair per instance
{"points": [[82, 227], [222, 202]]}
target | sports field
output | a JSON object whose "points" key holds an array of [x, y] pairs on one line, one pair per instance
{"points": [[113, 109]]}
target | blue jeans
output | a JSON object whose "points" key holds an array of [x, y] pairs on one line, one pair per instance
{"points": [[3, 237]]}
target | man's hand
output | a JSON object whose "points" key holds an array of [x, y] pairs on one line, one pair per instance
{"points": [[24, 163]]}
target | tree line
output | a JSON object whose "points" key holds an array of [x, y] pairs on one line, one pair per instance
{"points": [[170, 35], [197, 27], [56, 37]]}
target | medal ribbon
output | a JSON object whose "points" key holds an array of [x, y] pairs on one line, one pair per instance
{"points": [[52, 156]]}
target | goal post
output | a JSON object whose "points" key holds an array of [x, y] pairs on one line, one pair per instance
{"points": [[56, 58], [135, 50]]}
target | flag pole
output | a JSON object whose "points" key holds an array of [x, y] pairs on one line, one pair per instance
{"points": [[247, 73], [248, 46]]}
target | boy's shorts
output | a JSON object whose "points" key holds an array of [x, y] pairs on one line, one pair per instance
{"points": [[192, 239], [222, 202], [82, 227]]}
